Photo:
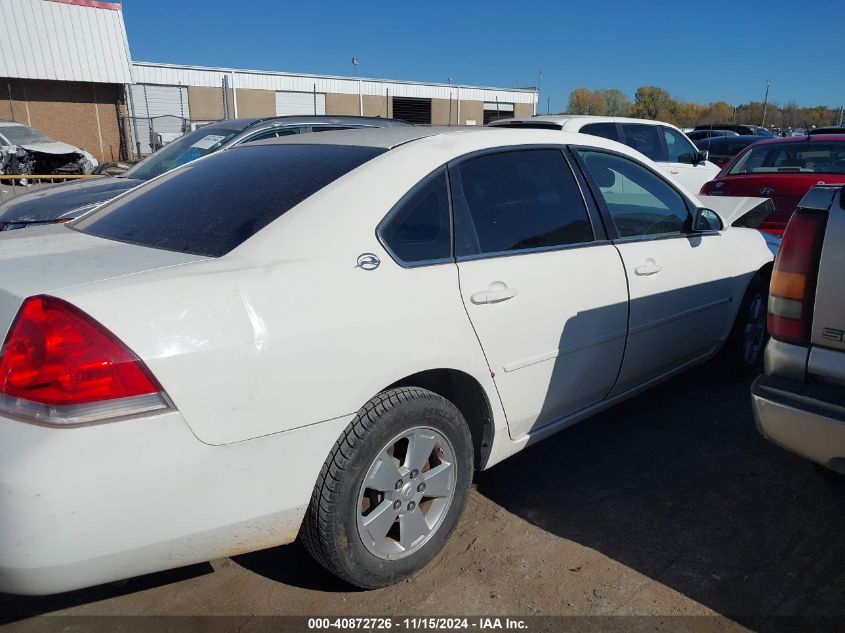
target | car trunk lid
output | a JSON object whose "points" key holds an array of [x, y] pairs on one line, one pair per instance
{"points": [[45, 259], [784, 189]]}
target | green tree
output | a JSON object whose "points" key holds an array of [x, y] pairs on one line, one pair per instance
{"points": [[616, 103], [717, 112], [584, 101], [688, 114], [652, 102]]}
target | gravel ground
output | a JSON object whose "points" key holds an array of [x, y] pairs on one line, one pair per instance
{"points": [[667, 505]]}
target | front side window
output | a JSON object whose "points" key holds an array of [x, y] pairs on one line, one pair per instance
{"points": [[645, 139], [639, 201], [419, 229], [517, 200], [211, 206], [678, 148]]}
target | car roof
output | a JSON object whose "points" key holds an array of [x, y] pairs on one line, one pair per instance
{"points": [[379, 137], [452, 140], [295, 119], [562, 119]]}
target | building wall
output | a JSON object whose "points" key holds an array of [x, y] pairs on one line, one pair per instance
{"points": [[523, 110], [205, 103], [472, 111], [255, 102], [440, 113], [346, 104], [342, 104], [79, 113], [377, 106]]}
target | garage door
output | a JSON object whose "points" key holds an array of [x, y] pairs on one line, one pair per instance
{"points": [[157, 110], [494, 111], [412, 110], [306, 103]]}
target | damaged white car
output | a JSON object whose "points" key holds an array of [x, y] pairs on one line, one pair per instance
{"points": [[26, 151]]}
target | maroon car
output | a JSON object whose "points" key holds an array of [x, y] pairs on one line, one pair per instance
{"points": [[783, 169]]}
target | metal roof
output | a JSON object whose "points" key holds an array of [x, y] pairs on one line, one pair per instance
{"points": [[175, 75], [61, 41]]}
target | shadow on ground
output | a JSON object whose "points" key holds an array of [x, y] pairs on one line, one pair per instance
{"points": [[13, 608], [677, 485]]}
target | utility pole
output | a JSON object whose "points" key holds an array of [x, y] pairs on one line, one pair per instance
{"points": [[841, 111], [355, 62], [765, 104]]}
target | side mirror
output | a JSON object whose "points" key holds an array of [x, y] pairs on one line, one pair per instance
{"points": [[706, 220], [701, 156]]}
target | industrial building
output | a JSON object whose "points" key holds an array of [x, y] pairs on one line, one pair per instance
{"points": [[66, 70]]}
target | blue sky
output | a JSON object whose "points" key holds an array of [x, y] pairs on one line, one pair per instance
{"points": [[727, 56]]}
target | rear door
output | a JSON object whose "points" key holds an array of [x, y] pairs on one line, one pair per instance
{"points": [[679, 282], [647, 140], [544, 289]]}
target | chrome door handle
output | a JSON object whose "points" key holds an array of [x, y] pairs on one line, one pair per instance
{"points": [[648, 268], [493, 296]]}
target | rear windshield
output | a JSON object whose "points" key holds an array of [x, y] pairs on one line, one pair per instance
{"points": [[215, 204], [826, 157]]}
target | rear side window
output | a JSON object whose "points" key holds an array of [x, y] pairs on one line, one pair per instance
{"points": [[213, 205], [605, 130], [645, 139], [517, 200], [418, 229]]}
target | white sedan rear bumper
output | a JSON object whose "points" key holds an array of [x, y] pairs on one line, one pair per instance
{"points": [[83, 506]]}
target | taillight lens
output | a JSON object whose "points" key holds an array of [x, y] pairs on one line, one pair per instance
{"points": [[793, 286], [58, 362]]}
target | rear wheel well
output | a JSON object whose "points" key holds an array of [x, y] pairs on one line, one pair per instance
{"points": [[468, 395]]}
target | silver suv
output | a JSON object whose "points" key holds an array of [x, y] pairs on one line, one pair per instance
{"points": [[799, 402]]}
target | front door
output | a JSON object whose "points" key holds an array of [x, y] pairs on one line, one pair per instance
{"points": [[679, 285], [680, 154], [548, 301]]}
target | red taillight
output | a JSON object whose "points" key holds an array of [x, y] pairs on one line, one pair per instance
{"points": [[793, 286], [55, 354]]}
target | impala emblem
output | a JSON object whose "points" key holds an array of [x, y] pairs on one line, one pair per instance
{"points": [[368, 261], [767, 191]]}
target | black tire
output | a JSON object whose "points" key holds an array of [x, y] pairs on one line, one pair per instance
{"points": [[735, 357], [330, 529]]}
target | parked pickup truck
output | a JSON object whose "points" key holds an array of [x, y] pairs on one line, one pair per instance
{"points": [[799, 401]]}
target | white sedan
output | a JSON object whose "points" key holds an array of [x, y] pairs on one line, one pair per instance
{"points": [[326, 336]]}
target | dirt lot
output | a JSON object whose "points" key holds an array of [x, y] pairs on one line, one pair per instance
{"points": [[668, 505]]}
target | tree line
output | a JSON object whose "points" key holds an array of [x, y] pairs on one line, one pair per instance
{"points": [[653, 102]]}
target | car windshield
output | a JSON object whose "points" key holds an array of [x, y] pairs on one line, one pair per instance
{"points": [[183, 150], [21, 134], [812, 158], [211, 206]]}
